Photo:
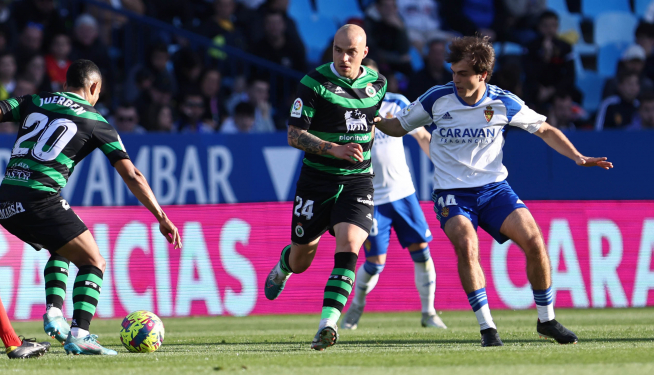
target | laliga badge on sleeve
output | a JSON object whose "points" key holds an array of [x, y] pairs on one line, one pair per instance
{"points": [[296, 111]]}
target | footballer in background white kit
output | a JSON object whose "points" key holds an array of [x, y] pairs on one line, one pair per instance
{"points": [[396, 206], [467, 117]]}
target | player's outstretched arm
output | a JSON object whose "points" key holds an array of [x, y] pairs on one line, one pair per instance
{"points": [[138, 185], [390, 126], [559, 142], [305, 141], [424, 139]]}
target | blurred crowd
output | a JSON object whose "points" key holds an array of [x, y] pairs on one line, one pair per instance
{"points": [[180, 89]]}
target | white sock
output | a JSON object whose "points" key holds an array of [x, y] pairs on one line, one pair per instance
{"points": [[545, 313], [54, 311], [281, 275], [326, 322], [425, 277], [78, 332], [365, 283], [484, 318]]}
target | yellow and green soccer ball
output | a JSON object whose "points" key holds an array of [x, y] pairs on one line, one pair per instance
{"points": [[142, 332]]}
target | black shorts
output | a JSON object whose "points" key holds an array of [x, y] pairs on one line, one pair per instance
{"points": [[319, 205], [49, 223]]}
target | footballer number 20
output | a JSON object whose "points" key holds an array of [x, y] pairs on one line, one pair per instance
{"points": [[305, 210], [53, 136]]}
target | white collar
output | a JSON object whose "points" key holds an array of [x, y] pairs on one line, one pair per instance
{"points": [[345, 78]]}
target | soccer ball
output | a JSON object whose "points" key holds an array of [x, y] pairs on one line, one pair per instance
{"points": [[142, 332]]}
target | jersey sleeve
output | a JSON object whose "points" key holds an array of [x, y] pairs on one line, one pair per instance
{"points": [[11, 108], [304, 107], [108, 140], [527, 119], [414, 116]]}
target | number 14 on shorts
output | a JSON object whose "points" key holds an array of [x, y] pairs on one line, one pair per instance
{"points": [[449, 201], [305, 210]]}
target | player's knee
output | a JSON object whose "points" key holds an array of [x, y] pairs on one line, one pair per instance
{"points": [[467, 254], [99, 262], [421, 256], [373, 268], [533, 246]]}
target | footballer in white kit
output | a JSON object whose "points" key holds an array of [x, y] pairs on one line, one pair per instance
{"points": [[396, 206], [467, 117]]}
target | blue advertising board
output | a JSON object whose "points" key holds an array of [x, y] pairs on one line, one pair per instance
{"points": [[217, 168]]}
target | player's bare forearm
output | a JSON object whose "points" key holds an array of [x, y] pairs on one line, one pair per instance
{"points": [[303, 140], [558, 141], [390, 127]]}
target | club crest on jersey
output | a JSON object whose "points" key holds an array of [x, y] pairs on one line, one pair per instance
{"points": [[488, 113], [296, 111], [299, 231], [355, 121], [446, 212], [370, 91]]}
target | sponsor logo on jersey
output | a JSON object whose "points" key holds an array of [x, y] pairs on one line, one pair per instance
{"points": [[339, 90], [370, 91], [65, 204], [62, 100], [9, 209], [447, 116], [17, 174], [368, 201], [471, 135], [355, 121], [296, 111], [369, 216], [354, 138], [445, 211], [488, 113], [299, 231]]}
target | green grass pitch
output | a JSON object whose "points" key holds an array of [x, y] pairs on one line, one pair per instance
{"points": [[612, 341]]}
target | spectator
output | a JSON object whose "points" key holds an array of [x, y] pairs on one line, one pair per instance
{"points": [[24, 86], [253, 26], [87, 45], [192, 115], [188, 67], [434, 73], [7, 75], [243, 120], [387, 37], [57, 62], [522, 15], [156, 65], [645, 39], [616, 112], [160, 118], [111, 23], [210, 89], [275, 47], [171, 12], [126, 119], [470, 17], [41, 12], [423, 22], [644, 118], [548, 64], [563, 113], [222, 29], [259, 96], [159, 93], [509, 75], [35, 70], [29, 43], [632, 60]]}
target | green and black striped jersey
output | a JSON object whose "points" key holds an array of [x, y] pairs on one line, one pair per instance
{"points": [[57, 130], [339, 110]]}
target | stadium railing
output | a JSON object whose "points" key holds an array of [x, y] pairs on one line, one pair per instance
{"points": [[132, 46]]}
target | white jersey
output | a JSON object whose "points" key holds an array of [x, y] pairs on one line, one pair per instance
{"points": [[392, 179], [466, 142]]}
